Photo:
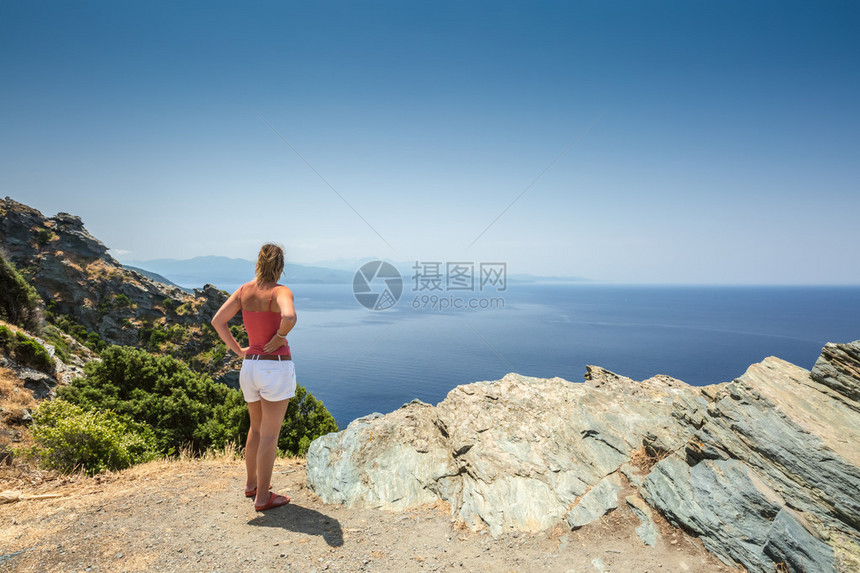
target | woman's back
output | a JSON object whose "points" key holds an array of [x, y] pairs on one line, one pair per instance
{"points": [[254, 298], [261, 315]]}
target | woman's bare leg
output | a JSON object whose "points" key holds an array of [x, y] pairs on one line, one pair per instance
{"points": [[252, 445], [271, 418]]}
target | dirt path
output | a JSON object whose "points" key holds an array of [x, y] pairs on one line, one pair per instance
{"points": [[192, 516]]}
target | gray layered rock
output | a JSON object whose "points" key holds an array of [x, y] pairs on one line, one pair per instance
{"points": [[516, 453], [597, 502], [346, 468], [765, 469], [776, 454], [790, 541], [647, 530], [838, 368]]}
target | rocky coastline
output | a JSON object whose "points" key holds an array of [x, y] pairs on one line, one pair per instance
{"points": [[764, 469]]}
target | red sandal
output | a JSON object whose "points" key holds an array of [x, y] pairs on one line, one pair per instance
{"points": [[275, 500]]}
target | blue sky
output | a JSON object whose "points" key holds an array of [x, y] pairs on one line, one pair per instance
{"points": [[706, 142]]}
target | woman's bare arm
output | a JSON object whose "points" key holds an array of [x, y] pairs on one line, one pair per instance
{"points": [[284, 299], [227, 311]]}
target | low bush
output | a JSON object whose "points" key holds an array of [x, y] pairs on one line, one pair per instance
{"points": [[122, 301], [61, 346], [239, 334], [19, 302], [183, 407], [88, 338], [25, 351], [68, 438], [306, 420]]}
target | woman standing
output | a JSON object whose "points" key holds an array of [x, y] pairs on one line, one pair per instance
{"points": [[268, 376]]}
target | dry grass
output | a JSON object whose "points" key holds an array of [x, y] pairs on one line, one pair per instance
{"points": [[13, 394], [15, 399], [34, 481], [644, 460], [100, 269]]}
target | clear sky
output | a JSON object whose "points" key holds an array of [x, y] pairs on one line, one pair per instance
{"points": [[678, 142]]}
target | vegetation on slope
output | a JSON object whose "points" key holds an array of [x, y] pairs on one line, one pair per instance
{"points": [[159, 392], [19, 302]]}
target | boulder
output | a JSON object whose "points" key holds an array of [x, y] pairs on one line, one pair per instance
{"points": [[765, 469], [512, 454], [393, 462], [41, 384], [776, 454], [647, 530], [597, 502]]}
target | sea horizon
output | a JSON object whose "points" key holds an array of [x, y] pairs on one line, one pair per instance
{"points": [[360, 361]]}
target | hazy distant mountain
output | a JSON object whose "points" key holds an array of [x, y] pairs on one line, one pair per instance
{"points": [[154, 276], [407, 270], [225, 272]]}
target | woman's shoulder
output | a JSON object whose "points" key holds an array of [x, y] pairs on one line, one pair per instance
{"points": [[283, 289], [245, 287]]}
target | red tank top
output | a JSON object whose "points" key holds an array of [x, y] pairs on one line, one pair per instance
{"points": [[261, 326]]}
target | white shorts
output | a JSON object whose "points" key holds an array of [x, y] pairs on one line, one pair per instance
{"points": [[272, 380]]}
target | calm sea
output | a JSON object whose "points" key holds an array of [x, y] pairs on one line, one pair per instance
{"points": [[359, 361]]}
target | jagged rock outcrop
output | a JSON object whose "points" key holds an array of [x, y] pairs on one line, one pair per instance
{"points": [[74, 273], [765, 469], [776, 455], [512, 454]]}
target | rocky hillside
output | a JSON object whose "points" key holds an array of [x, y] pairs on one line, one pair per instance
{"points": [[101, 300], [764, 469]]}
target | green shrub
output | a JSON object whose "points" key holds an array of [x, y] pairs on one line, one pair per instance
{"points": [[25, 350], [122, 301], [184, 407], [61, 347], [239, 334], [31, 353], [117, 301], [306, 420], [68, 438], [95, 342], [44, 236], [208, 360], [19, 302], [72, 328], [155, 336]]}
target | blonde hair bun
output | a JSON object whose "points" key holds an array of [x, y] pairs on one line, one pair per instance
{"points": [[270, 263]]}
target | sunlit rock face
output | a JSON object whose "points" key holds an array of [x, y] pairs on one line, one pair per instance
{"points": [[765, 469]]}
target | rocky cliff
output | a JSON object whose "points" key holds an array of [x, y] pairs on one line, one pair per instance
{"points": [[765, 469], [73, 272]]}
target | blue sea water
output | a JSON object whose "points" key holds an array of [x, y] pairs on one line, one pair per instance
{"points": [[359, 361]]}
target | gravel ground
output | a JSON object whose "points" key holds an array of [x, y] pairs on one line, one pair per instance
{"points": [[192, 515]]}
